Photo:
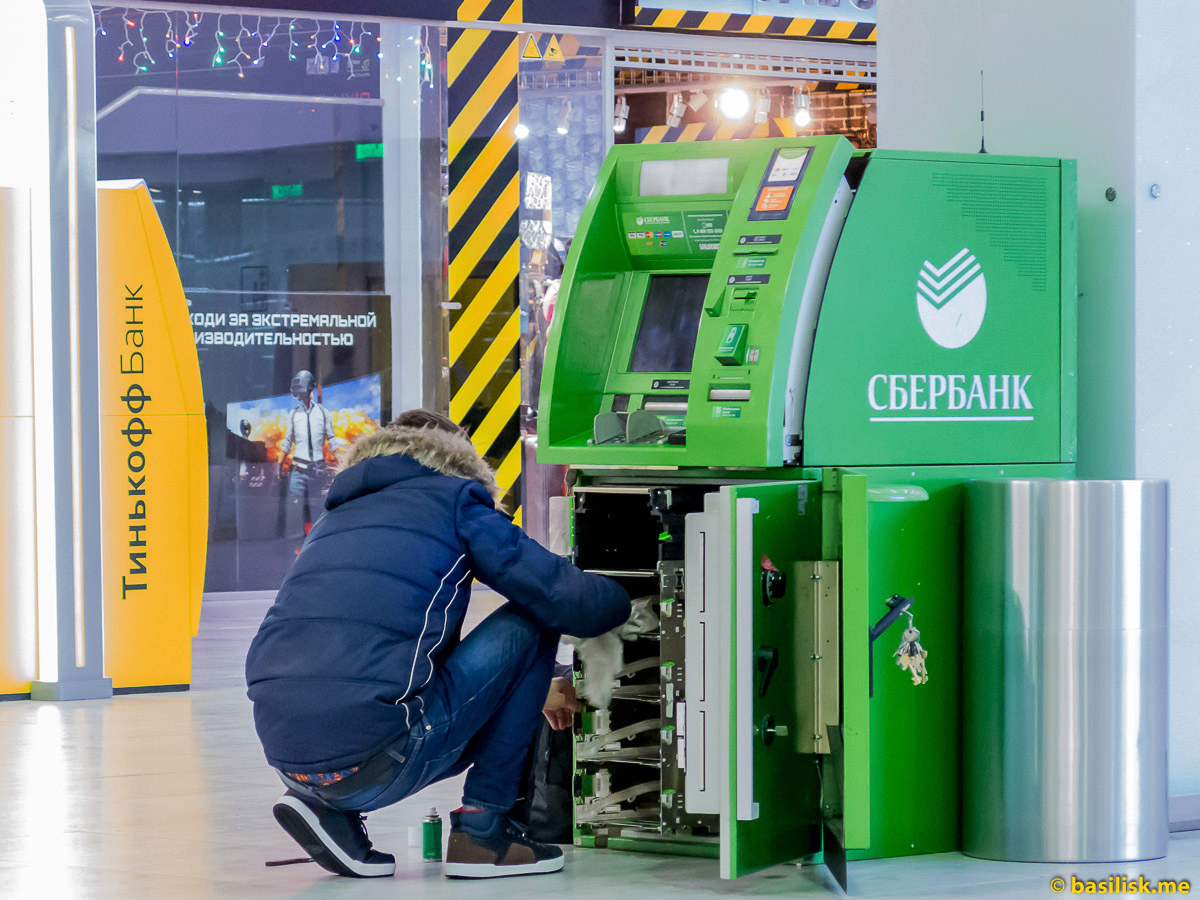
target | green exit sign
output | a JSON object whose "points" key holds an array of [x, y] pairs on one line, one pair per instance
{"points": [[279, 191], [368, 151]]}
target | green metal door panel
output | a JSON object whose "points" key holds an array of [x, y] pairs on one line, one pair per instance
{"points": [[856, 727], [771, 812], [947, 285], [915, 551]]}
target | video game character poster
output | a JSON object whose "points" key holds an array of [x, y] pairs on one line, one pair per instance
{"points": [[287, 390]]}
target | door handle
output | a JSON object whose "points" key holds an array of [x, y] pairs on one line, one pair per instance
{"points": [[766, 660]]}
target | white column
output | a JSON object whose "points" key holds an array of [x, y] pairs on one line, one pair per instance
{"points": [[1167, 328], [400, 89], [50, 156]]}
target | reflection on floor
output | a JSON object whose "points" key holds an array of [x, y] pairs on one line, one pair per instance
{"points": [[167, 796]]}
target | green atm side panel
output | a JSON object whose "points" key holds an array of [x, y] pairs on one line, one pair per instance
{"points": [[901, 535], [946, 334]]}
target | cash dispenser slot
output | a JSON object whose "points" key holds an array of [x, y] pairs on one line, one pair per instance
{"points": [[677, 403]]}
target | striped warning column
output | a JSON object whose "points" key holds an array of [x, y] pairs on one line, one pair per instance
{"points": [[485, 324]]}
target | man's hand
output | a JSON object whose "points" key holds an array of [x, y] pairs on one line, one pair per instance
{"points": [[561, 704]]}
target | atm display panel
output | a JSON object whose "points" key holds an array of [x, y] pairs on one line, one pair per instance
{"points": [[666, 336]]}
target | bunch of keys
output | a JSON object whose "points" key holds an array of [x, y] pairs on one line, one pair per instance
{"points": [[911, 655]]}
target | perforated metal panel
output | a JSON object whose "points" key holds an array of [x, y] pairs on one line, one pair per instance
{"points": [[1012, 209], [761, 58]]}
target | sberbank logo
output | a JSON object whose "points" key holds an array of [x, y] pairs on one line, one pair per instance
{"points": [[952, 299], [653, 220]]}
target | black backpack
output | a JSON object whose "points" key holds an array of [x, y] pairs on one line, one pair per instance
{"points": [[545, 807]]}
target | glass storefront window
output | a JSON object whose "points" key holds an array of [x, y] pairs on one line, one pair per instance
{"points": [[565, 131], [291, 161]]}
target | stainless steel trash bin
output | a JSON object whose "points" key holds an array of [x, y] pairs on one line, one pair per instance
{"points": [[1065, 670]]}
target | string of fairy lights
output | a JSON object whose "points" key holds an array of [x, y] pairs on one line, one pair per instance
{"points": [[151, 39]]}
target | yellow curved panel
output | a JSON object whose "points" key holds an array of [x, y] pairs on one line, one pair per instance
{"points": [[154, 461]]}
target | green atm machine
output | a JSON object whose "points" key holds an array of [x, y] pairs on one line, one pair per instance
{"points": [[773, 365]]}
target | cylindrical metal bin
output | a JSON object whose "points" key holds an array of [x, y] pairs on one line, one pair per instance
{"points": [[1065, 670]]}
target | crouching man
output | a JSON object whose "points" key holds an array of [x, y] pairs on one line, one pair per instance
{"points": [[364, 691]]}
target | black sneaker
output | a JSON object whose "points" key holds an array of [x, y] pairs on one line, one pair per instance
{"points": [[336, 840], [495, 849]]}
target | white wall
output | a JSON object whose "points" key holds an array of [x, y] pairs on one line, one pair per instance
{"points": [[1167, 285], [1085, 79]]}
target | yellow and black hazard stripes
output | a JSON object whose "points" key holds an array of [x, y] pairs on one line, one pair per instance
{"points": [[735, 23], [507, 11], [484, 254]]}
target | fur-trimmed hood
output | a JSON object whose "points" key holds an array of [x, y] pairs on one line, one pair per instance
{"points": [[450, 454]]}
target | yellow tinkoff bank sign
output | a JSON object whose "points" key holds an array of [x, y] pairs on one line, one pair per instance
{"points": [[154, 448]]}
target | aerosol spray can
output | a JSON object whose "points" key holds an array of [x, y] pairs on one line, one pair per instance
{"points": [[431, 836]]}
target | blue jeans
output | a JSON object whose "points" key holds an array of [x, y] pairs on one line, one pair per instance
{"points": [[304, 500], [481, 711]]}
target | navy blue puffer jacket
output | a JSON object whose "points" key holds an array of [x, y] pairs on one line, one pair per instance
{"points": [[376, 597]]}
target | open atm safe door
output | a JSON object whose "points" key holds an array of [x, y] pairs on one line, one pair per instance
{"points": [[771, 806]]}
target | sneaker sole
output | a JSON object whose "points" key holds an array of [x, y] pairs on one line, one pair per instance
{"points": [[491, 870], [302, 824]]}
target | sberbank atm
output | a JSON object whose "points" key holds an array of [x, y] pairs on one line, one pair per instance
{"points": [[773, 365]]}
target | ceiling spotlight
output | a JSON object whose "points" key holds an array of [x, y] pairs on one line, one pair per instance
{"points": [[564, 118], [521, 130], [620, 115], [675, 110], [802, 115], [697, 100], [762, 106], [733, 103]]}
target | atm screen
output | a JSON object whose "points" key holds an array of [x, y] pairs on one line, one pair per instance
{"points": [[666, 338]]}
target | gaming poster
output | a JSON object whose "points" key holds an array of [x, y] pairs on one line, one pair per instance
{"points": [[288, 387]]}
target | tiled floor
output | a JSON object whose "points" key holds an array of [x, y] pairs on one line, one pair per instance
{"points": [[167, 796]]}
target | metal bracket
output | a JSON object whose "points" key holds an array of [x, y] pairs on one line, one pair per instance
{"points": [[818, 654]]}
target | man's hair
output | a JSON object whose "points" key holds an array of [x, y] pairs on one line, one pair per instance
{"points": [[424, 418]]}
